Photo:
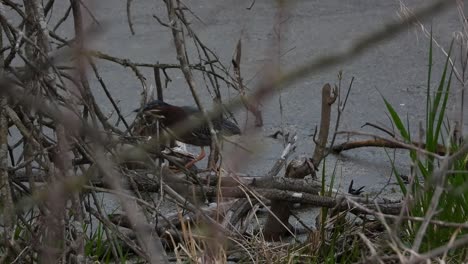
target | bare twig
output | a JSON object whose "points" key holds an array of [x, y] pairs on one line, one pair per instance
{"points": [[129, 16]]}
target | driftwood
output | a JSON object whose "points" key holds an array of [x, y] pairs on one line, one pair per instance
{"points": [[170, 224], [263, 187], [279, 191], [277, 222], [382, 143]]}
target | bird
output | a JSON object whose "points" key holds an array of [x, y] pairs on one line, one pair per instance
{"points": [[171, 115]]}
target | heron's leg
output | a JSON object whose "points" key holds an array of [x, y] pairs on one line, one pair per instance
{"points": [[200, 157]]}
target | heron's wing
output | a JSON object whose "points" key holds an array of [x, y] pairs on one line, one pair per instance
{"points": [[229, 128], [190, 109]]}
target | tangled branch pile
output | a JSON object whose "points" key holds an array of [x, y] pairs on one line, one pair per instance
{"points": [[59, 150]]}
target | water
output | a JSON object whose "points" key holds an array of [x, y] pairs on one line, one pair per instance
{"points": [[396, 70]]}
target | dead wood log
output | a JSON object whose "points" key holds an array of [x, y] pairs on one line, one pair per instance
{"points": [[382, 143], [241, 208], [277, 222], [268, 188], [168, 225], [338, 202], [289, 190]]}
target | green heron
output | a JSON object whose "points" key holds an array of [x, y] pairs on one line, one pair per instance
{"points": [[170, 115]]}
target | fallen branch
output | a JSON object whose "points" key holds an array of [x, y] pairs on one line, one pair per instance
{"points": [[382, 143]]}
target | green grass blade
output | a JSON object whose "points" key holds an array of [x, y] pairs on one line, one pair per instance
{"points": [[446, 94], [429, 125], [397, 120], [437, 98]]}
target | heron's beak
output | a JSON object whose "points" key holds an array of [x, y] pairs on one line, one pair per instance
{"points": [[156, 113]]}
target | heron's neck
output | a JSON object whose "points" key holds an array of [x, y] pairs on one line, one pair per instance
{"points": [[174, 115]]}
